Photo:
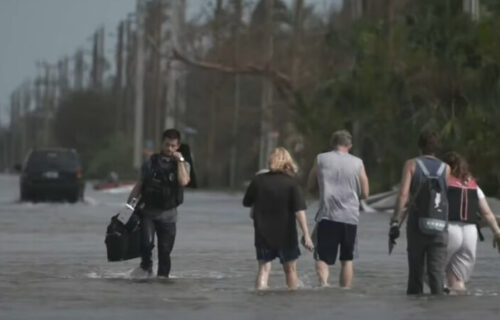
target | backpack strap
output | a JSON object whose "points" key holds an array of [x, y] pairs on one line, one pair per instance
{"points": [[441, 169], [419, 187], [424, 169]]}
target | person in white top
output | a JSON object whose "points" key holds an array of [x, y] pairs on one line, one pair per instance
{"points": [[465, 200]]}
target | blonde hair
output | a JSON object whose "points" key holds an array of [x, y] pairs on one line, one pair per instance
{"points": [[281, 160]]}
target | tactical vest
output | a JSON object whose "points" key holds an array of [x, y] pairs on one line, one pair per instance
{"points": [[160, 189], [463, 200]]}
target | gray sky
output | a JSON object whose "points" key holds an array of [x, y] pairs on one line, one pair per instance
{"points": [[47, 30], [32, 30]]}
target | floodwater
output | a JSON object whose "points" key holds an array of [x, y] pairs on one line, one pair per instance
{"points": [[53, 266]]}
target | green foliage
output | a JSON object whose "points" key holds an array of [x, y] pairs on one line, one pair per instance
{"points": [[85, 121], [436, 68], [116, 156]]}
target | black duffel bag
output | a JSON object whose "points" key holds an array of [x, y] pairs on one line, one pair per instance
{"points": [[123, 240]]}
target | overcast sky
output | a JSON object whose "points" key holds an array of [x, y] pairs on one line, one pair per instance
{"points": [[32, 30], [47, 30]]}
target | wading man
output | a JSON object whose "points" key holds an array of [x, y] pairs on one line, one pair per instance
{"points": [[342, 182], [160, 188]]}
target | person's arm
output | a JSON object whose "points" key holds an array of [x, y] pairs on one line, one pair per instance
{"points": [[365, 186], [400, 212], [489, 216], [249, 198], [182, 170], [301, 219], [136, 191], [182, 173], [312, 178], [491, 220]]}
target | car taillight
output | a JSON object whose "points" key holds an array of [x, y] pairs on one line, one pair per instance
{"points": [[78, 174]]}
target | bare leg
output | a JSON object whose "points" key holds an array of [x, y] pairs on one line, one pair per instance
{"points": [[263, 275], [323, 272], [290, 269], [346, 274], [454, 283]]}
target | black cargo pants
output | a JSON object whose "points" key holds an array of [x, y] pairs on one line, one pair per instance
{"points": [[165, 231], [426, 253]]}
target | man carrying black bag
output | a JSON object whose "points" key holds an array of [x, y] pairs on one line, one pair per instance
{"points": [[161, 188]]}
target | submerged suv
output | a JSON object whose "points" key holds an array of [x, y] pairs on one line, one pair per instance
{"points": [[52, 174]]}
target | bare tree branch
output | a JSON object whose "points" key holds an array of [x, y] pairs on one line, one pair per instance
{"points": [[279, 79]]}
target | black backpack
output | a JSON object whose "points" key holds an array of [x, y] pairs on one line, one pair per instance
{"points": [[430, 202]]}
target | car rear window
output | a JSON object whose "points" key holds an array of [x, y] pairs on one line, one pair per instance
{"points": [[60, 160]]}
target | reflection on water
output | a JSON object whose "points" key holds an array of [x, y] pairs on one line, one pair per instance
{"points": [[53, 265]]}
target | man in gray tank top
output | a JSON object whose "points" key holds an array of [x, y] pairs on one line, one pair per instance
{"points": [[342, 182], [424, 251]]}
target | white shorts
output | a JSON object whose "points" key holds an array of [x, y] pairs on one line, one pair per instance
{"points": [[461, 251]]}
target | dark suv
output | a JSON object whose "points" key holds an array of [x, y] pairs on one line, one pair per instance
{"points": [[54, 174]]}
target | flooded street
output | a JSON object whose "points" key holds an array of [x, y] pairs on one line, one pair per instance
{"points": [[53, 266]]}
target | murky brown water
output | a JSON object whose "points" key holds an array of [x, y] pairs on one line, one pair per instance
{"points": [[53, 266]]}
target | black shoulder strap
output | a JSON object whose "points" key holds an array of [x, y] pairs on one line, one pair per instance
{"points": [[154, 157], [414, 196], [154, 160]]}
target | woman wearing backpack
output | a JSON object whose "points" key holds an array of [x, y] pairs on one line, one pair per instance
{"points": [[467, 204]]}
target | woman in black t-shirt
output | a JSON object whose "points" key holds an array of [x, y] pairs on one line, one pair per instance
{"points": [[277, 201]]}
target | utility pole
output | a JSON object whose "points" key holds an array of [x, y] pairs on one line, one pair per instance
{"points": [[297, 39], [161, 22], [356, 9], [472, 7], [139, 86], [39, 113], [62, 76], [14, 124], [119, 83], [267, 90], [17, 102], [47, 102], [128, 77], [94, 72], [79, 70], [213, 98], [175, 75], [3, 150], [24, 102], [119, 57], [5, 146], [233, 164], [98, 59]]}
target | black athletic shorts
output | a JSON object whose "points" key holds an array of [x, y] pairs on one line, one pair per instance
{"points": [[331, 235], [285, 255]]}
